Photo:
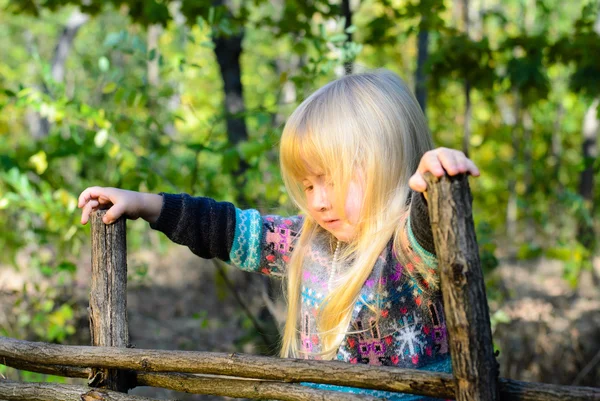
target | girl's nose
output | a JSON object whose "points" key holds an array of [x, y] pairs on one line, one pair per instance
{"points": [[320, 199]]}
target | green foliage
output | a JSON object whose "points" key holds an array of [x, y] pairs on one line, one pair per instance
{"points": [[461, 58]]}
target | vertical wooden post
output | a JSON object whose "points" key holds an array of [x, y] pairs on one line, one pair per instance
{"points": [[465, 304], [108, 297]]}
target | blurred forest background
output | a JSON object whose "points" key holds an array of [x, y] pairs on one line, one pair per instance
{"points": [[191, 96]]}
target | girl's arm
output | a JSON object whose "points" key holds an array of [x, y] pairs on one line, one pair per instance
{"points": [[243, 238], [205, 226], [210, 229]]}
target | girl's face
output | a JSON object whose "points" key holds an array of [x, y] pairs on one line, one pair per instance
{"points": [[322, 206]]}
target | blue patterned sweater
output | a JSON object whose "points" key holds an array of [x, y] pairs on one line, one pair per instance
{"points": [[411, 330]]}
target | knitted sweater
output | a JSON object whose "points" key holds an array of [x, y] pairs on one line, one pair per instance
{"points": [[411, 330]]}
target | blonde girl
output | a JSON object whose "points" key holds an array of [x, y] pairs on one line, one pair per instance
{"points": [[359, 260]]}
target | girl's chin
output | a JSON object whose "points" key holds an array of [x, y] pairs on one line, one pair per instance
{"points": [[342, 235]]}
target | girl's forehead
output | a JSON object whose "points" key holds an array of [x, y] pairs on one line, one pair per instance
{"points": [[314, 177]]}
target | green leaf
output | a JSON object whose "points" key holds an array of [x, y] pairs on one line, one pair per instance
{"points": [[68, 267], [340, 37], [152, 55], [109, 87]]}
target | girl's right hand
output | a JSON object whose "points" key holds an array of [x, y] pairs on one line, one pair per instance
{"points": [[120, 203]]}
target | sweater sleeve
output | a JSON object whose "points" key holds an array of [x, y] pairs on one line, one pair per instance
{"points": [[264, 244], [418, 237], [420, 225], [243, 238], [205, 226]]}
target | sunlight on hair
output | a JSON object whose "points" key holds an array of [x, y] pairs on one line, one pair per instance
{"points": [[368, 125]]}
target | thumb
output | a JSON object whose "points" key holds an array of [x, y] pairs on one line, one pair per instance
{"points": [[113, 213], [417, 183]]}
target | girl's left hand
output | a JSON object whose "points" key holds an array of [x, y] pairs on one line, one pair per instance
{"points": [[438, 162]]}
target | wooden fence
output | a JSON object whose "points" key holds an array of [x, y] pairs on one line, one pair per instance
{"points": [[112, 367]]}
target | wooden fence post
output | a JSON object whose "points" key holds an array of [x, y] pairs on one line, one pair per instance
{"points": [[465, 304], [108, 297]]}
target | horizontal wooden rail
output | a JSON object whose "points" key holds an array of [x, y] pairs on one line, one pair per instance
{"points": [[19, 391], [202, 384], [249, 366], [41, 357]]}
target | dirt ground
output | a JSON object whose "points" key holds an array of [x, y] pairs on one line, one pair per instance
{"points": [[546, 331]]}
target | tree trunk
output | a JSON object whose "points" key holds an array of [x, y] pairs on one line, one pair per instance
{"points": [[152, 38], [61, 52], [467, 90], [65, 43], [556, 157], [422, 56], [527, 124], [228, 51], [468, 113], [347, 14], [585, 230], [108, 297], [512, 207]]}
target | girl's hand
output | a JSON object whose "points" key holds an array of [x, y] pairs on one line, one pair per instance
{"points": [[438, 162], [120, 202]]}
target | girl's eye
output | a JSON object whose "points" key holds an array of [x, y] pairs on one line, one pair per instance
{"points": [[308, 188]]}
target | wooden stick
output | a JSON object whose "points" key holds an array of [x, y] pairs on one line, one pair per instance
{"points": [[250, 366], [193, 383], [243, 388], [465, 304], [18, 391], [39, 357], [108, 296]]}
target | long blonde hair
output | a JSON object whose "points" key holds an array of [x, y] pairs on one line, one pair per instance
{"points": [[368, 124]]}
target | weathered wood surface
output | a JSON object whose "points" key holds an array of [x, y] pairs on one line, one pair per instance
{"points": [[108, 296], [244, 388], [206, 384], [19, 391], [465, 304], [239, 365], [39, 357]]}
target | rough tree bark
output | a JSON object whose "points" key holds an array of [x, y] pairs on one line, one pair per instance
{"points": [[17, 391], [467, 315], [108, 297], [239, 365]]}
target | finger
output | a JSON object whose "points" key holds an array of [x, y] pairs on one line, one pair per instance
{"points": [[430, 162], [87, 210], [84, 197], [417, 183], [113, 213], [472, 168], [449, 161], [89, 193]]}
